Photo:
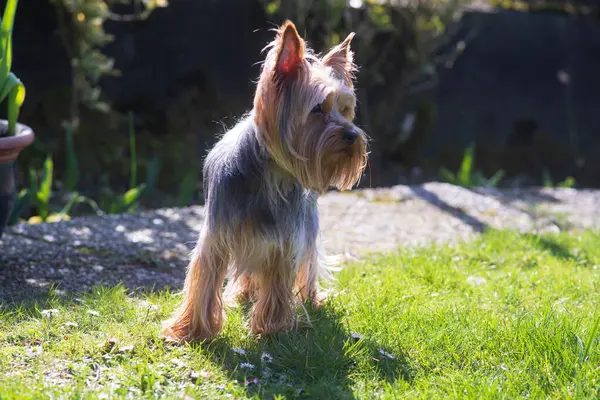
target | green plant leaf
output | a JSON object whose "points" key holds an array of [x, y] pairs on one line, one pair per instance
{"points": [[130, 199], [447, 175], [466, 168], [132, 195], [8, 84], [591, 338], [81, 199], [567, 183], [8, 19], [46, 185], [33, 181], [22, 200], [6, 28], [45, 189], [67, 208], [16, 97], [496, 178], [477, 179]]}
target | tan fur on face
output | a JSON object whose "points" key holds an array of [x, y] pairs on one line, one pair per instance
{"points": [[306, 147]]}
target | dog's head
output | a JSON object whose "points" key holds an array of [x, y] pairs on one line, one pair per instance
{"points": [[305, 107]]}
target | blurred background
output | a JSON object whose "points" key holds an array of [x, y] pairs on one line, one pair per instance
{"points": [[126, 97]]}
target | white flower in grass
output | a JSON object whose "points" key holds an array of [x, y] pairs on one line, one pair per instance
{"points": [[247, 365], [239, 351], [49, 313], [203, 374], [71, 324], [126, 349], [93, 313], [266, 358]]}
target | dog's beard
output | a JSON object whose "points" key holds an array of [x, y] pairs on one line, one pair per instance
{"points": [[319, 160]]}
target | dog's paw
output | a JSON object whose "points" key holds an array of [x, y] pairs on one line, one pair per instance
{"points": [[168, 336], [317, 300]]}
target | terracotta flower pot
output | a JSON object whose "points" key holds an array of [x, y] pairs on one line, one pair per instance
{"points": [[10, 148]]}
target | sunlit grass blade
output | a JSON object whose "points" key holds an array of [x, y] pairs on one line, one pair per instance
{"points": [[591, 338]]}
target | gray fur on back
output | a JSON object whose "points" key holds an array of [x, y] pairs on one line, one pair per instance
{"points": [[242, 183]]}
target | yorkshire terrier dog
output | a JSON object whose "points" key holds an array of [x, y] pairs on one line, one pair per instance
{"points": [[261, 183]]}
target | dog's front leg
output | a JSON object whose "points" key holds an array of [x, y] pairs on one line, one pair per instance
{"points": [[274, 310]]}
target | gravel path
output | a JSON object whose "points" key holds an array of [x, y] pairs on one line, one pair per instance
{"points": [[150, 249]]}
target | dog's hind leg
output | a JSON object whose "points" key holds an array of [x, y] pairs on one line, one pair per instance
{"points": [[201, 314], [238, 290], [306, 285]]}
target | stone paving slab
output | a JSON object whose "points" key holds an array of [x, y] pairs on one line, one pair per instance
{"points": [[150, 249]]}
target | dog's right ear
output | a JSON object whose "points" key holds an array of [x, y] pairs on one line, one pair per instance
{"points": [[290, 51]]}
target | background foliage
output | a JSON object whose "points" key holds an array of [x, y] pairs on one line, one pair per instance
{"points": [[402, 48]]}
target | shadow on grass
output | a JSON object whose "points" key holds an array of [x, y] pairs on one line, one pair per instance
{"points": [[556, 249], [315, 362], [559, 251]]}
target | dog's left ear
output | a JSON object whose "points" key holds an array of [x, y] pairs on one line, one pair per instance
{"points": [[341, 59], [290, 51]]}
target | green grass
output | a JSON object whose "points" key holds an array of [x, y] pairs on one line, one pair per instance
{"points": [[506, 316]]}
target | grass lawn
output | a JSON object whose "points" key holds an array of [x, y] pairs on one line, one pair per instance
{"points": [[505, 316]]}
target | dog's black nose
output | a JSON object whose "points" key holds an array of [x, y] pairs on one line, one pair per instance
{"points": [[350, 136]]}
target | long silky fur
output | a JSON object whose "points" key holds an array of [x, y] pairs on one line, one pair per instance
{"points": [[261, 184]]}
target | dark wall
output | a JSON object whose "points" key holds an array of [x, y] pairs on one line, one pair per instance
{"points": [[214, 44], [217, 40], [504, 93]]}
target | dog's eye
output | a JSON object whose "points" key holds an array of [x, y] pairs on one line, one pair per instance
{"points": [[318, 108]]}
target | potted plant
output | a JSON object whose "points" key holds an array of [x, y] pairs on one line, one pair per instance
{"points": [[14, 136]]}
